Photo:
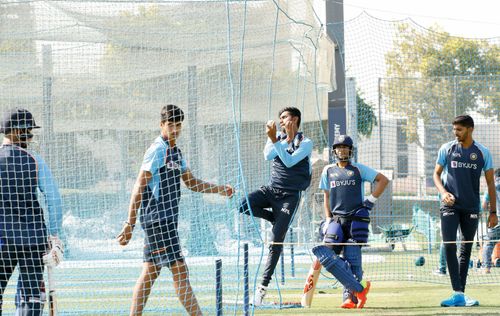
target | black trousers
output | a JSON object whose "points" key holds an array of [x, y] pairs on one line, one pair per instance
{"points": [[283, 206], [451, 220], [30, 285]]}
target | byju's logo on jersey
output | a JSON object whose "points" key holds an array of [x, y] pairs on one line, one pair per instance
{"points": [[463, 165], [339, 183]]}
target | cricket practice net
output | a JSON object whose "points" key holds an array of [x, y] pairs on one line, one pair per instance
{"points": [[95, 75]]}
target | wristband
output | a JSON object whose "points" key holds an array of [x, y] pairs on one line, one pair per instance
{"points": [[372, 199], [127, 223]]}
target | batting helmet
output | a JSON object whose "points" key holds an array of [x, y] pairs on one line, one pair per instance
{"points": [[17, 118], [343, 140]]}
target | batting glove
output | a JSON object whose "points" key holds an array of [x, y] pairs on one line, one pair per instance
{"points": [[327, 222], [56, 253], [369, 203]]}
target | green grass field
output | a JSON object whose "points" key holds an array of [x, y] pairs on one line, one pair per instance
{"points": [[399, 298], [105, 288]]}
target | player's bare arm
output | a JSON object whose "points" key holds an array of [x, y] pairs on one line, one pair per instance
{"points": [[381, 182], [326, 204], [447, 198], [201, 186], [135, 202], [326, 208], [490, 181]]}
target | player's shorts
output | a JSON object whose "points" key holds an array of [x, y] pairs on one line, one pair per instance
{"points": [[161, 244]]}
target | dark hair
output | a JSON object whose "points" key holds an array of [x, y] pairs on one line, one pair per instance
{"points": [[464, 120], [293, 111], [171, 113], [497, 173]]}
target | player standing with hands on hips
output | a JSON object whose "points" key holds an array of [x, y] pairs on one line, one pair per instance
{"points": [[456, 176], [25, 241], [347, 219], [290, 153], [157, 193]]}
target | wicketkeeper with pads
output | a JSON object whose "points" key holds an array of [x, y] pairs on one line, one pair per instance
{"points": [[347, 217]]}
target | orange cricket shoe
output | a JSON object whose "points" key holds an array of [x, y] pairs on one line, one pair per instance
{"points": [[348, 304], [361, 296]]}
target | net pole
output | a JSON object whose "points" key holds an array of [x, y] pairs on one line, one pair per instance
{"points": [[246, 293], [218, 287], [292, 254]]}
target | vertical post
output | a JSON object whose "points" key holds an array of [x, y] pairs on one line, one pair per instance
{"points": [[429, 248], [48, 128], [282, 260], [246, 293], [292, 254], [455, 90], [200, 240], [193, 242], [218, 287], [123, 164], [381, 166], [352, 111], [336, 99]]}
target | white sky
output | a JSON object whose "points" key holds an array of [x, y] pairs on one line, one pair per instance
{"points": [[474, 18]]}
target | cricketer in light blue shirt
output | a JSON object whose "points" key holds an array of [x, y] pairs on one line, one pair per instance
{"points": [[346, 186], [291, 168], [464, 165], [161, 196]]}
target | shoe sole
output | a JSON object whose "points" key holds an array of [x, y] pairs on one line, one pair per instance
{"points": [[444, 305]]}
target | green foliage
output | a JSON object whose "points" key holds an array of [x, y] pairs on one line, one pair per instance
{"points": [[434, 77], [366, 116]]}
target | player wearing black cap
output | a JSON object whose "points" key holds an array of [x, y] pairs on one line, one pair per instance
{"points": [[25, 241]]}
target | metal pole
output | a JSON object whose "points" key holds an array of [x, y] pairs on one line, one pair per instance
{"points": [[218, 287], [48, 128], [380, 122], [246, 292], [282, 260], [429, 251], [292, 254], [455, 94]]}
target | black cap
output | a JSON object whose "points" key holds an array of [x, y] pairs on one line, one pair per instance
{"points": [[342, 140], [17, 118]]}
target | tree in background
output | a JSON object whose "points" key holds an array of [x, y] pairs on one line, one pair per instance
{"points": [[434, 76], [366, 116]]}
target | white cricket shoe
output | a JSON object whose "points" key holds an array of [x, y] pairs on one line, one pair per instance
{"points": [[260, 293]]}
